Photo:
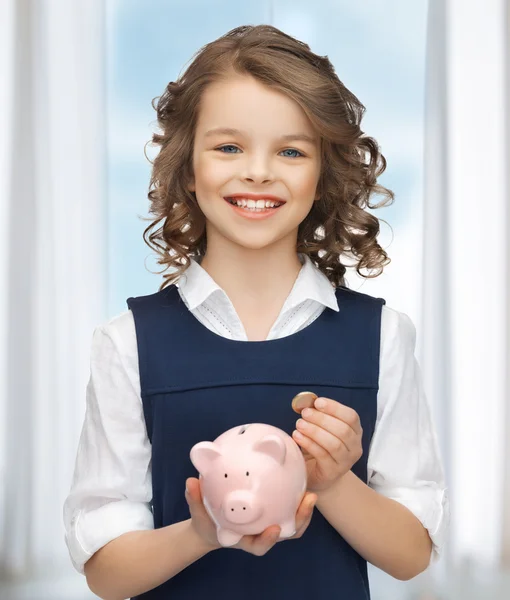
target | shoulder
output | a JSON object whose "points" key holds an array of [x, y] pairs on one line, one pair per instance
{"points": [[393, 322], [148, 301], [397, 329], [119, 324], [347, 293], [120, 330]]}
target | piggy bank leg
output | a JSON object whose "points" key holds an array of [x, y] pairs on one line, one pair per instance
{"points": [[227, 538], [288, 528]]}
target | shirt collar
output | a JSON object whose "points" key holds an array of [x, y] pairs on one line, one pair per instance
{"points": [[196, 285]]}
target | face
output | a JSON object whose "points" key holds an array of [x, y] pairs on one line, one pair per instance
{"points": [[257, 158]]}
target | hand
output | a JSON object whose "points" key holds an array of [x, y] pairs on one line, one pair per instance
{"points": [[330, 440], [254, 544]]}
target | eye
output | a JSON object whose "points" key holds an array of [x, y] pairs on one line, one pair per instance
{"points": [[227, 146], [247, 473], [226, 475], [293, 150], [232, 146]]}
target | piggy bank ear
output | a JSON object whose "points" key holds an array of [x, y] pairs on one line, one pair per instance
{"points": [[203, 456], [273, 446]]}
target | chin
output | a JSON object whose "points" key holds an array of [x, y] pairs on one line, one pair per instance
{"points": [[253, 242], [255, 245]]}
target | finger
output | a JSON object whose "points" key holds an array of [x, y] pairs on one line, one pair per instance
{"points": [[260, 544], [337, 428], [268, 535], [191, 491], [304, 515], [263, 537], [332, 444], [193, 496], [307, 499], [340, 411], [306, 508], [325, 462], [303, 527]]}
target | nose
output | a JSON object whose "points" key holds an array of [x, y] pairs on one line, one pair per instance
{"points": [[258, 170], [241, 507]]}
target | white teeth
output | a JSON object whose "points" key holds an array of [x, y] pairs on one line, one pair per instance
{"points": [[254, 204]]}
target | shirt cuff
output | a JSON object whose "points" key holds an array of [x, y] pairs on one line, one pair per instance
{"points": [[440, 516], [91, 530], [431, 506]]}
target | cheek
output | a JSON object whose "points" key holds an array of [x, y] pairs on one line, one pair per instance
{"points": [[210, 174], [304, 184]]}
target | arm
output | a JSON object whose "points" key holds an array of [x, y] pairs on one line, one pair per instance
{"points": [[393, 521], [399, 520], [381, 530], [139, 561], [404, 462], [107, 515], [111, 491]]}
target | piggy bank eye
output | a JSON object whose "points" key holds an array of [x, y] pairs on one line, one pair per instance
{"points": [[247, 473], [225, 475]]}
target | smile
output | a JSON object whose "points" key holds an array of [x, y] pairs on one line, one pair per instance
{"points": [[254, 209], [254, 204]]}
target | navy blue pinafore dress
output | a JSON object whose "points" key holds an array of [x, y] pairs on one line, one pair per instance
{"points": [[196, 384]]}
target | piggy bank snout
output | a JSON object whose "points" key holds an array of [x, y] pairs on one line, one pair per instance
{"points": [[241, 507]]}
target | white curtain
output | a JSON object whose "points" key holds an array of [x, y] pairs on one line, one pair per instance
{"points": [[466, 297], [52, 272]]}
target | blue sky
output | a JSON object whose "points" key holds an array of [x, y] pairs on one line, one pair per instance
{"points": [[377, 48]]}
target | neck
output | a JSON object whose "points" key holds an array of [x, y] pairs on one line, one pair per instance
{"points": [[253, 278]]}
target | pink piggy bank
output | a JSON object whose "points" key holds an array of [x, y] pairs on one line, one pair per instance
{"points": [[251, 476]]}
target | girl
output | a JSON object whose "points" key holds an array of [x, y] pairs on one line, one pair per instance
{"points": [[261, 184]]}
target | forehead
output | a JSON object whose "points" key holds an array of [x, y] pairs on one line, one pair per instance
{"points": [[244, 104]]}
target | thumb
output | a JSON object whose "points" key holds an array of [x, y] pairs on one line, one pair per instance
{"points": [[194, 497], [192, 489]]}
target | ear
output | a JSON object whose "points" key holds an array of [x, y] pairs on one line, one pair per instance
{"points": [[191, 186], [203, 455], [273, 446]]}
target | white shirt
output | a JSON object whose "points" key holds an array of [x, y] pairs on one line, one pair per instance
{"points": [[112, 487]]}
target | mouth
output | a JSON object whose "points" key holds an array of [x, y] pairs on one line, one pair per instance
{"points": [[255, 206]]}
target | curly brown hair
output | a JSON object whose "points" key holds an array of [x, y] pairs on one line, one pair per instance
{"points": [[351, 161]]}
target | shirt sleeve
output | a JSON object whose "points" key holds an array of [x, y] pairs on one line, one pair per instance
{"points": [[111, 490], [404, 461]]}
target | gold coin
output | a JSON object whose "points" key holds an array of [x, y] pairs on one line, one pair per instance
{"points": [[303, 400]]}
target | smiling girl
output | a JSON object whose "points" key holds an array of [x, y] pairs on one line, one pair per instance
{"points": [[261, 187]]}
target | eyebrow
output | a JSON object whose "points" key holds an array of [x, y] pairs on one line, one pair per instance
{"points": [[303, 137]]}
